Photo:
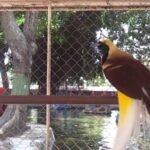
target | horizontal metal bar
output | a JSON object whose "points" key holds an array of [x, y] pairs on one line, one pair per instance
{"points": [[44, 8], [78, 5], [58, 100], [99, 4]]}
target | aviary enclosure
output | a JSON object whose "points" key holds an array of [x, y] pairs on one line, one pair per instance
{"points": [[53, 91]]}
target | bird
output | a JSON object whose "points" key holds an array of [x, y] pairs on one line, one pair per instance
{"points": [[132, 80]]}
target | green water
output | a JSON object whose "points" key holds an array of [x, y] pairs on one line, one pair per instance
{"points": [[77, 130]]}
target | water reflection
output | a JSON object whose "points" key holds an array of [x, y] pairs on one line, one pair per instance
{"points": [[109, 131], [75, 130]]}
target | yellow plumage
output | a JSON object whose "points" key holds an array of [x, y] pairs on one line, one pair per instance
{"points": [[130, 111], [125, 103]]}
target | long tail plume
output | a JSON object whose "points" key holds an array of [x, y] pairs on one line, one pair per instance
{"points": [[129, 120]]}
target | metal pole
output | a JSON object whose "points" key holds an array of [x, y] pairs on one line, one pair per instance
{"points": [[58, 99], [48, 77]]}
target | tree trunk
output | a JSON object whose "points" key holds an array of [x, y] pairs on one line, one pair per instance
{"points": [[16, 112], [3, 69], [22, 45]]}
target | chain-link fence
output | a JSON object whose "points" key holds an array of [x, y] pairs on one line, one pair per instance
{"points": [[75, 71]]}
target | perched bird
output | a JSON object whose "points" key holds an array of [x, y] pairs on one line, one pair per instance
{"points": [[132, 80]]}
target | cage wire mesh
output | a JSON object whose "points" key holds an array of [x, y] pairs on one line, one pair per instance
{"points": [[75, 71]]}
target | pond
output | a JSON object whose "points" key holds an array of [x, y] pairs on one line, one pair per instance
{"points": [[76, 130]]}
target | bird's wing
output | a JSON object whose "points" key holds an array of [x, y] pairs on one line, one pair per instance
{"points": [[128, 76]]}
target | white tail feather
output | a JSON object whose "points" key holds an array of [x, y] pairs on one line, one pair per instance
{"points": [[130, 126], [146, 122]]}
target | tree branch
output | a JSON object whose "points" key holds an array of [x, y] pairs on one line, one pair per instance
{"points": [[29, 29], [13, 33]]}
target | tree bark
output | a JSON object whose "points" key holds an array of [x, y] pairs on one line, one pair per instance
{"points": [[3, 69], [23, 47]]}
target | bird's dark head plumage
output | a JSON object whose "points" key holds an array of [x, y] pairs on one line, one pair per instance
{"points": [[101, 49]]}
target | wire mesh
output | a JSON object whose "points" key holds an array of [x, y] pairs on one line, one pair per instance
{"points": [[75, 71]]}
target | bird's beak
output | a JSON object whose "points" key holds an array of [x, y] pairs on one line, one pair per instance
{"points": [[97, 52]]}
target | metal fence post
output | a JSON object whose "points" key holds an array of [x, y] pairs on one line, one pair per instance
{"points": [[48, 75]]}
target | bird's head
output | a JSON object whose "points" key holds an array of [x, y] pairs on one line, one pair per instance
{"points": [[102, 49]]}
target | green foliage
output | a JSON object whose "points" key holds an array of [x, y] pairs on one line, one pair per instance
{"points": [[58, 21], [20, 18], [130, 29], [42, 24], [75, 56], [73, 32], [1, 37]]}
